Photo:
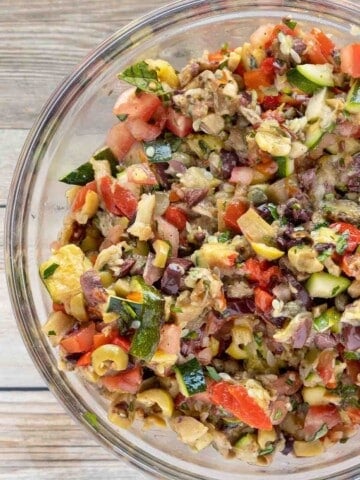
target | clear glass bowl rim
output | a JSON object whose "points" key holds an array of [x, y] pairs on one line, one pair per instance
{"points": [[19, 193]]}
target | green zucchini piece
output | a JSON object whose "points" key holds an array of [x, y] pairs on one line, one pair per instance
{"points": [[158, 151], [325, 285], [286, 166], [190, 377], [85, 173], [330, 319], [147, 336], [352, 104], [309, 77], [313, 135], [128, 311]]}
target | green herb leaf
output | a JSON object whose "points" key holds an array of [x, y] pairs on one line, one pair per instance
{"points": [[267, 450], [289, 22], [122, 117], [321, 323], [175, 309], [324, 255], [142, 77], [342, 243], [92, 419], [321, 224], [213, 373], [50, 270], [158, 151], [352, 355], [51, 333], [278, 414], [224, 236]]}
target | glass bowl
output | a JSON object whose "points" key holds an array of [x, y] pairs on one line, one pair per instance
{"points": [[71, 126]]}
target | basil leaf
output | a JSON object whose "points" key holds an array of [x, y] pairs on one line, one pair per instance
{"points": [[142, 77]]}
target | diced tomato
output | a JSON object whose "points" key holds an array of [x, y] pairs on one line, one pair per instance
{"points": [[101, 339], [326, 368], [350, 60], [276, 30], [262, 35], [326, 44], [267, 66], [233, 212], [176, 217], [141, 174], [122, 342], [353, 239], [84, 360], [137, 106], [79, 341], [128, 381], [261, 272], [141, 130], [257, 78], [59, 307], [263, 299], [271, 102], [178, 124], [80, 196], [170, 338], [119, 139], [117, 199], [317, 416], [354, 415], [236, 400]]}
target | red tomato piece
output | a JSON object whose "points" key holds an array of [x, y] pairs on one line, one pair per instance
{"points": [[233, 212], [353, 239], [84, 360], [141, 174], [277, 29], [267, 66], [79, 341], [80, 196], [176, 217], [263, 299], [128, 381], [141, 106], [122, 342], [271, 102], [119, 139], [117, 199], [350, 60], [237, 401], [178, 124], [317, 416], [101, 339], [257, 78], [261, 272], [326, 368], [141, 130], [326, 44]]}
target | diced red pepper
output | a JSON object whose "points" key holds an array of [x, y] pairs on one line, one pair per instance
{"points": [[236, 400], [176, 217], [263, 299], [233, 212], [353, 240]]}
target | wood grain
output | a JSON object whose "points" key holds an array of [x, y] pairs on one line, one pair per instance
{"points": [[38, 440]]}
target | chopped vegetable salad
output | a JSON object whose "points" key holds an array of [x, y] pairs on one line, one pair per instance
{"points": [[207, 275]]}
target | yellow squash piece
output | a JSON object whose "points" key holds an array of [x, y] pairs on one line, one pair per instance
{"points": [[264, 251], [165, 72], [61, 273], [255, 228]]}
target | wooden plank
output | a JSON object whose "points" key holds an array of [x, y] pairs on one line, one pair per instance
{"points": [[39, 440], [41, 42], [11, 142]]}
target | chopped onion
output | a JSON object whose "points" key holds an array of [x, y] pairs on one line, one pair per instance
{"points": [[166, 231]]}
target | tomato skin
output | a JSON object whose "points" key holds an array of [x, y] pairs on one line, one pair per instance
{"points": [[349, 56], [353, 240], [259, 271], [237, 401], [263, 299], [80, 196], [84, 360], [326, 368], [117, 199], [233, 212], [80, 341], [326, 44], [127, 381], [317, 415], [178, 124], [257, 78], [119, 139], [176, 217], [122, 342], [139, 106], [267, 66]]}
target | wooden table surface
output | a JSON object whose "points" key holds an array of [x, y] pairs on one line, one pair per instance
{"points": [[41, 41]]}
